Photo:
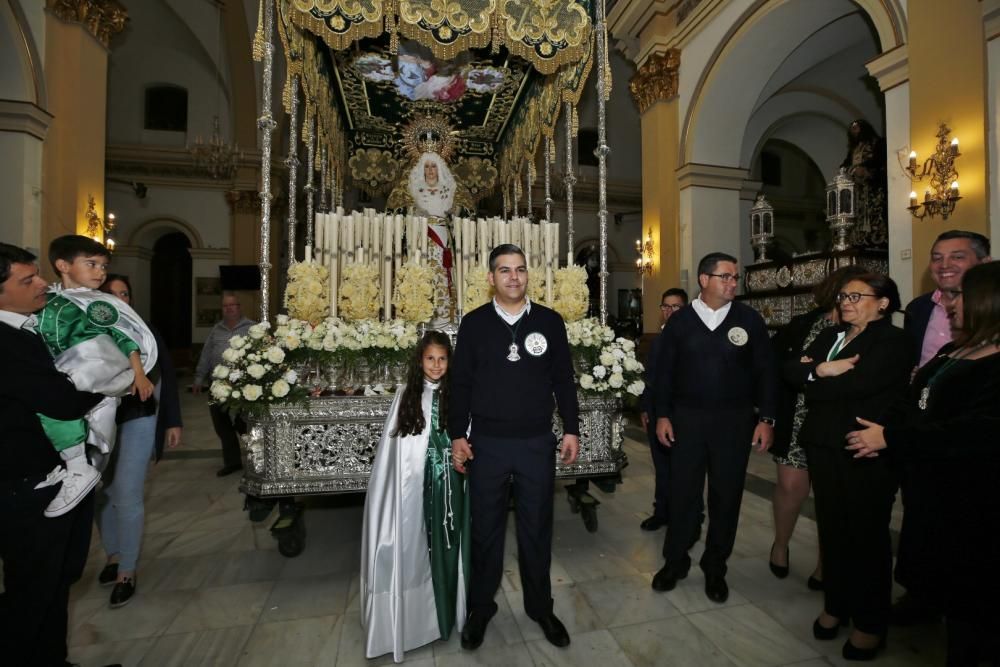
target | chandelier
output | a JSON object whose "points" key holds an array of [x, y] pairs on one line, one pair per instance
{"points": [[215, 156], [942, 194], [97, 229], [644, 250]]}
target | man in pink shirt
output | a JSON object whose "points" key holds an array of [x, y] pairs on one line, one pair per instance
{"points": [[954, 252]]}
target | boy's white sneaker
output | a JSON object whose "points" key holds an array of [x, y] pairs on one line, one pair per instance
{"points": [[75, 487]]}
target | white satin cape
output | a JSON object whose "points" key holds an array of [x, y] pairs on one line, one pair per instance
{"points": [[397, 594], [97, 365]]}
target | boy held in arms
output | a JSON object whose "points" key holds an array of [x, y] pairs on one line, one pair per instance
{"points": [[103, 346]]}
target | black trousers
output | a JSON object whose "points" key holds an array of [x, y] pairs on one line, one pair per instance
{"points": [[229, 429], [661, 467], [530, 464], [42, 558], [920, 551], [853, 506], [716, 442]]}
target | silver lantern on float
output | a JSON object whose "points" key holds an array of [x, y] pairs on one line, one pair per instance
{"points": [[840, 209], [761, 227]]}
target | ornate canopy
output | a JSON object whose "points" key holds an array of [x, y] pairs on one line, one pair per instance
{"points": [[482, 81]]}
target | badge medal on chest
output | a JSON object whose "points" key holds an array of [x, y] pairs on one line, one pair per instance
{"points": [[513, 355]]}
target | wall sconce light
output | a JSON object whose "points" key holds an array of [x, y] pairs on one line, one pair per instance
{"points": [[761, 227], [942, 194], [644, 262], [97, 229]]}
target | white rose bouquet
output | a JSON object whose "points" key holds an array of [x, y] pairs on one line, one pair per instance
{"points": [[307, 296], [255, 369], [359, 292], [605, 365]]}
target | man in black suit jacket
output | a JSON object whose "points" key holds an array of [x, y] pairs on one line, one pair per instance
{"points": [[41, 557], [927, 325]]}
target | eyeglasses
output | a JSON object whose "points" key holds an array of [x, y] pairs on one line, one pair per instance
{"points": [[853, 297], [670, 306], [726, 277]]}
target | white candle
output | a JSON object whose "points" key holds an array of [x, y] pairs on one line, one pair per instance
{"points": [[320, 233], [398, 248], [334, 261], [548, 264], [387, 236]]}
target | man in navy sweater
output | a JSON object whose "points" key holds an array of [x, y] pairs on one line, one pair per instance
{"points": [[511, 358], [714, 368]]}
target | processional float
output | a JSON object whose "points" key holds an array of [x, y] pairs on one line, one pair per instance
{"points": [[442, 110]]}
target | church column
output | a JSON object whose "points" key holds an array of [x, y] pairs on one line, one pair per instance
{"points": [[654, 88], [709, 216], [948, 84], [77, 34], [991, 26], [891, 69]]}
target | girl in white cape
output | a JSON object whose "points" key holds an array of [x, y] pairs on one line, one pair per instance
{"points": [[414, 556]]}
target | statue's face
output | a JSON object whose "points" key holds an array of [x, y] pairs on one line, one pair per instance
{"points": [[430, 172]]}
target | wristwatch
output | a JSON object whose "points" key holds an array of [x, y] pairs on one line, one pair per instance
{"points": [[767, 420]]}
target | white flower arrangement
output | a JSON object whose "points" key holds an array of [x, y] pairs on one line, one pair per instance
{"points": [[477, 289], [255, 371], [570, 296], [606, 365], [414, 293], [307, 295], [536, 287], [359, 292]]}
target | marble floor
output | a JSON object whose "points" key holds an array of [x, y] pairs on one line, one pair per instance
{"points": [[213, 590]]}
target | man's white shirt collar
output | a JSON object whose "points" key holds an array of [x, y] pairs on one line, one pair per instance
{"points": [[711, 318], [507, 317], [17, 320]]}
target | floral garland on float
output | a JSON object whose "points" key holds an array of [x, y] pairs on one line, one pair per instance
{"points": [[570, 297], [605, 365], [307, 295], [359, 292], [414, 293]]}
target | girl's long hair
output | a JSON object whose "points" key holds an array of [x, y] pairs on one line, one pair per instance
{"points": [[411, 411]]}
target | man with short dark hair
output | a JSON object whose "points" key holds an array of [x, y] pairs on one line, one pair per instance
{"points": [[42, 557], [227, 426], [927, 323], [671, 301], [715, 367], [511, 360]]}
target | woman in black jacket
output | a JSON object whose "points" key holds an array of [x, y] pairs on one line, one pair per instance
{"points": [[856, 370], [792, 487], [143, 426], [948, 427]]}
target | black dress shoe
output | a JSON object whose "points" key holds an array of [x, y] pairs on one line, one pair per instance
{"points": [[780, 571], [475, 629], [716, 588], [554, 631], [824, 633], [227, 470], [122, 593], [653, 523], [814, 584], [666, 579], [852, 652], [108, 575]]}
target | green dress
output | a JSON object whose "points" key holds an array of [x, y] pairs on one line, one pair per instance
{"points": [[446, 518]]}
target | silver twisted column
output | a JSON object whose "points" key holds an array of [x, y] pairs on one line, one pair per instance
{"points": [[266, 124], [310, 175], [602, 151], [323, 206], [292, 162], [548, 184], [569, 178]]}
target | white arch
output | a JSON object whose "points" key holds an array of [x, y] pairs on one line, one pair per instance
{"points": [[148, 232]]}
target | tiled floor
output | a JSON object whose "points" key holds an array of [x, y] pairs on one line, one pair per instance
{"points": [[213, 589]]}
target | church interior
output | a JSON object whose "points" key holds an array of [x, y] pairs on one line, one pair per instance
{"points": [[213, 145]]}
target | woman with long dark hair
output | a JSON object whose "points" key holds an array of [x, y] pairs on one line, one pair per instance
{"points": [[414, 555], [144, 427], [950, 424], [858, 369]]}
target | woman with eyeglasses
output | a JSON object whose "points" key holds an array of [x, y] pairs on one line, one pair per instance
{"points": [[857, 369], [949, 424], [792, 487]]}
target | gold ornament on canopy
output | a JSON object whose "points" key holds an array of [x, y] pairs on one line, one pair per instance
{"points": [[373, 170], [546, 33]]}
